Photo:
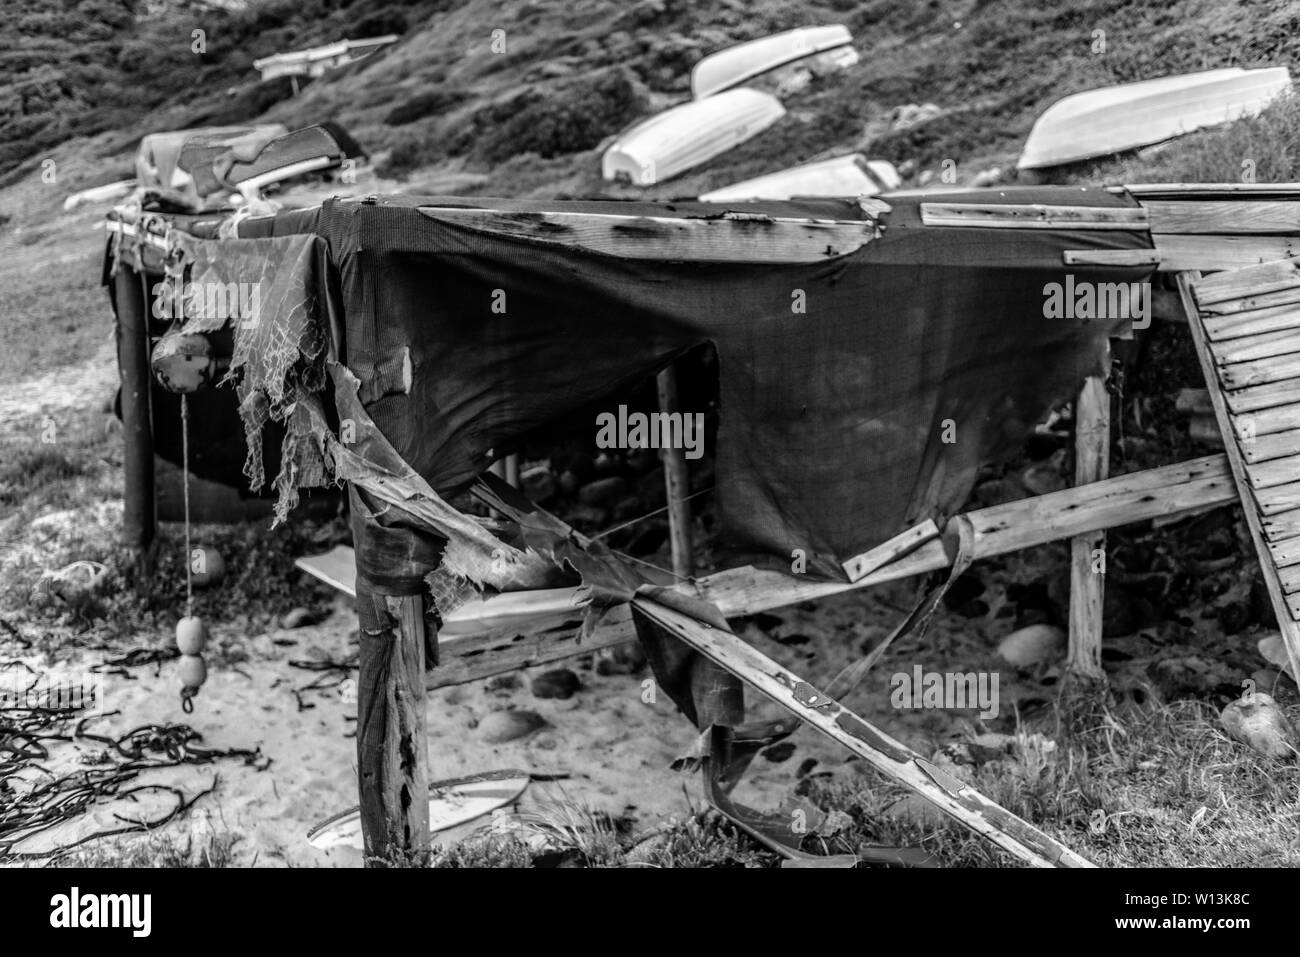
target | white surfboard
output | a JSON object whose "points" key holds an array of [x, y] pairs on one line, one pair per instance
{"points": [[451, 803]]}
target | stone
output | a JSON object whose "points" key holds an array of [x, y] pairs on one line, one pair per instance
{"points": [[1258, 722], [781, 751], [1032, 645], [297, 618], [558, 683], [604, 491], [502, 726]]}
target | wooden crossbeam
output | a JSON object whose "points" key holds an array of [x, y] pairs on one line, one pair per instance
{"points": [[1032, 216], [1252, 217], [896, 761]]}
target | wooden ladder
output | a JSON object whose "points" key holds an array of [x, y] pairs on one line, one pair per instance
{"points": [[1246, 326]]}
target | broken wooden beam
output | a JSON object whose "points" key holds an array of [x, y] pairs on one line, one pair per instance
{"points": [[1164, 492], [955, 797], [860, 566], [677, 483]]}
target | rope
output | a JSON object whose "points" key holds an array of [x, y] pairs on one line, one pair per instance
{"points": [[616, 528], [185, 489]]}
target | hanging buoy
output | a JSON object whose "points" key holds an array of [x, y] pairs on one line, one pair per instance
{"points": [[207, 567], [193, 673], [183, 362], [191, 635]]}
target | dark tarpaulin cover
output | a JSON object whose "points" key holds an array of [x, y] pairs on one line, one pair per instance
{"points": [[917, 357]]}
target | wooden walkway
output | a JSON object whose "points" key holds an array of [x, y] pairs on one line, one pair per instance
{"points": [[1246, 327]]}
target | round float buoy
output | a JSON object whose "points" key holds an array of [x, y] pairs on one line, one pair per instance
{"points": [[183, 362], [193, 673], [207, 567], [191, 635]]}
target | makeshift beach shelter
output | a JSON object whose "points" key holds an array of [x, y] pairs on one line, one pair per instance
{"points": [[872, 355]]}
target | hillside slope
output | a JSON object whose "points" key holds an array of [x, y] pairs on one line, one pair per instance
{"points": [[515, 96]]}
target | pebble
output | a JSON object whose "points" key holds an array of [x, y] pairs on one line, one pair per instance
{"points": [[502, 726], [297, 618], [781, 751], [558, 683], [1032, 645], [1258, 722]]}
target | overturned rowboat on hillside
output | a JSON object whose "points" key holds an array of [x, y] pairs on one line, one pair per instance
{"points": [[1133, 115], [685, 136], [740, 64], [841, 176]]}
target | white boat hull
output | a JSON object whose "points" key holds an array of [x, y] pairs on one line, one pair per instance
{"points": [[685, 136], [1133, 115], [843, 176], [739, 64]]}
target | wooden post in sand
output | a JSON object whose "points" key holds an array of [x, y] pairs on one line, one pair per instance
{"points": [[139, 516], [677, 484], [392, 752], [1088, 551]]}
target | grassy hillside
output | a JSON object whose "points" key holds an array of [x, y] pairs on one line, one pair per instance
{"points": [[516, 96]]}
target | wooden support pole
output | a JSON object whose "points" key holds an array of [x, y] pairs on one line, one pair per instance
{"points": [[392, 751], [1088, 551], [677, 484], [139, 513]]}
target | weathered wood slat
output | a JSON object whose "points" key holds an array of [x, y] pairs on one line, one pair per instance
{"points": [[729, 237], [1032, 216], [1281, 294], [1223, 216], [1243, 375], [1286, 552], [1255, 322], [1265, 345], [1246, 283], [1265, 448], [1274, 473], [1289, 576], [1279, 498], [1256, 399], [1110, 257], [1146, 191], [897, 762], [1250, 426], [1280, 527], [1214, 253], [862, 565]]}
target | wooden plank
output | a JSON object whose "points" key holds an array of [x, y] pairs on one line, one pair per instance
{"points": [[859, 566], [677, 484], [1279, 294], [897, 762], [729, 237], [1263, 346], [1087, 582], [1242, 375], [1281, 526], [1145, 190], [1285, 552], [1032, 216], [1245, 283], [1277, 398], [1264, 448], [1254, 322], [1223, 216], [392, 752], [1277, 499], [888, 756], [1214, 253], [1290, 579], [1240, 473], [1110, 257], [1272, 474]]}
